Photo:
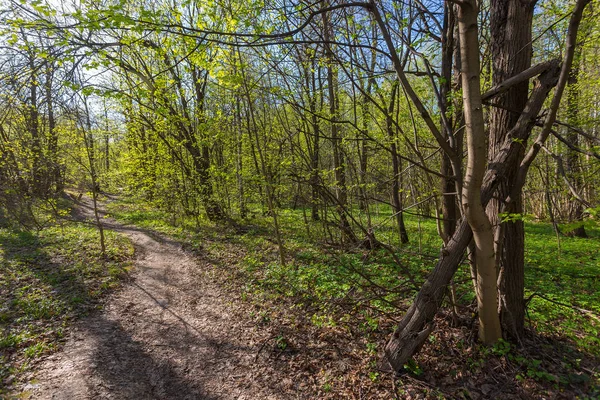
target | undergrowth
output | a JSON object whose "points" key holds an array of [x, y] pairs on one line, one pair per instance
{"points": [[347, 288]]}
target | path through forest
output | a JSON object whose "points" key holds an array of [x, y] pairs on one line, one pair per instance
{"points": [[169, 333]]}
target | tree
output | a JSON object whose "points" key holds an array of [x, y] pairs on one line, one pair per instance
{"points": [[309, 96], [510, 42], [415, 326]]}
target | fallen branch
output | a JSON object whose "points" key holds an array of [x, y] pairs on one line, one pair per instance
{"points": [[583, 311]]}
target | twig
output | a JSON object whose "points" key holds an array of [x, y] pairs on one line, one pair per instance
{"points": [[588, 313], [262, 346]]}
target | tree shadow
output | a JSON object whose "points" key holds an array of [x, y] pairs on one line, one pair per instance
{"points": [[25, 252], [38, 295], [122, 367]]}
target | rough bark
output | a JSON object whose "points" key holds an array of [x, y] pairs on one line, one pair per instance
{"points": [[416, 324], [510, 40]]}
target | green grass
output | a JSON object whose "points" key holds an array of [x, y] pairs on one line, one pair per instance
{"points": [[319, 273], [570, 275], [48, 279], [353, 288]]}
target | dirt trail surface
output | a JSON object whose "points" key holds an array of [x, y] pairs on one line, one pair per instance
{"points": [[169, 333]]}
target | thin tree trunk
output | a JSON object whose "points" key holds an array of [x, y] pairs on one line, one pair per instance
{"points": [[316, 141], [396, 170], [52, 134], [338, 156], [448, 185], [573, 170], [487, 292], [90, 151], [34, 129]]}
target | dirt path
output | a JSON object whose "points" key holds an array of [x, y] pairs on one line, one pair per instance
{"points": [[169, 333]]}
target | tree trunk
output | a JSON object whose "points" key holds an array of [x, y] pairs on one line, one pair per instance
{"points": [[510, 24], [311, 88], [339, 166], [448, 184], [201, 152], [486, 289], [34, 130], [413, 329], [396, 170], [239, 143], [572, 162], [88, 140], [52, 134]]}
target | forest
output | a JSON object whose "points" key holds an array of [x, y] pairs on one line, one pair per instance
{"points": [[300, 199]]}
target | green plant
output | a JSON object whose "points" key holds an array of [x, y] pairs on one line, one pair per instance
{"points": [[48, 279], [414, 368], [373, 376], [281, 342], [372, 347], [501, 348]]}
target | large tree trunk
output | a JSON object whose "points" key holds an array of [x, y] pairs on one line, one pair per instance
{"points": [[510, 36], [413, 329]]}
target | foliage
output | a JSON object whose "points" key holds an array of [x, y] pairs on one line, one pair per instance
{"points": [[333, 134]]}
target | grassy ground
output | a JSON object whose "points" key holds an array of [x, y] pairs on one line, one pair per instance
{"points": [[561, 275], [341, 288], [48, 279]]}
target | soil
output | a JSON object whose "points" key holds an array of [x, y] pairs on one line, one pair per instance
{"points": [[169, 333], [179, 328]]}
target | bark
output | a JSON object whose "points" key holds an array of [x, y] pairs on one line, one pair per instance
{"points": [[416, 324], [486, 289], [510, 25]]}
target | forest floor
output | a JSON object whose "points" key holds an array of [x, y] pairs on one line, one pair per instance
{"points": [[187, 325], [169, 333]]}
